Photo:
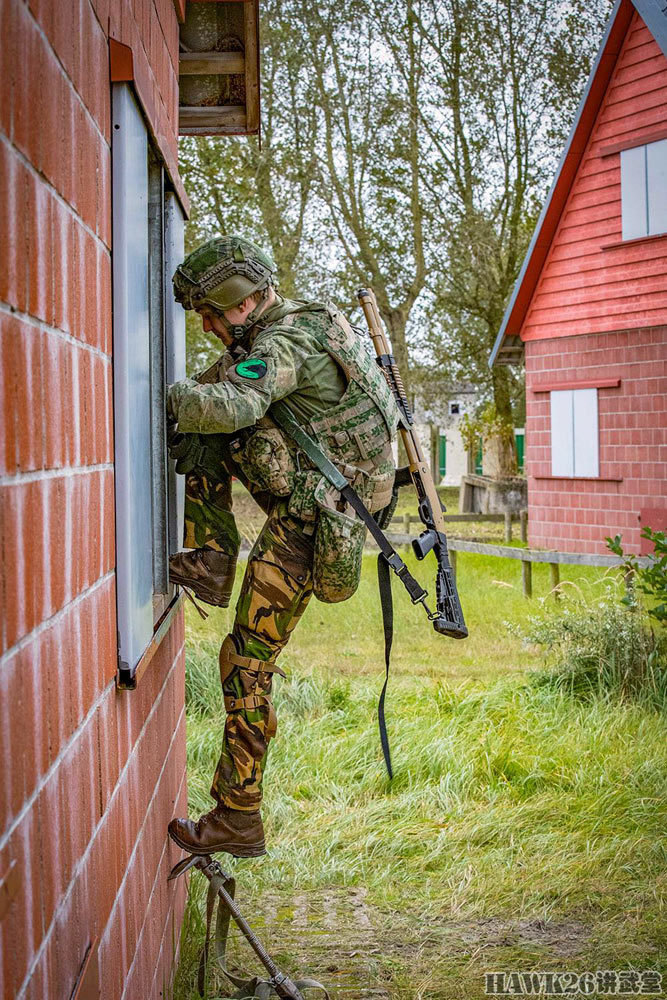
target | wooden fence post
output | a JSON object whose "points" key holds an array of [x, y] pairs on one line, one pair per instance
{"points": [[527, 578], [406, 523], [629, 580], [523, 518], [508, 526], [555, 579]]}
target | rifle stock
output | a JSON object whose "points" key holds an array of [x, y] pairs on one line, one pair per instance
{"points": [[449, 617]]}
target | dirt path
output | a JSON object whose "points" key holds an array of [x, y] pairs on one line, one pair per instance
{"points": [[358, 951]]}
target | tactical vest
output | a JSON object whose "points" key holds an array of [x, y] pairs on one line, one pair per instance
{"points": [[357, 433]]}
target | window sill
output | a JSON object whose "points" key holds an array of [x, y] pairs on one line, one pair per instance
{"points": [[631, 243], [590, 383], [584, 479], [127, 680]]}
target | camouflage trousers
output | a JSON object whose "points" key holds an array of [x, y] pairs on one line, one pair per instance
{"points": [[276, 589]]}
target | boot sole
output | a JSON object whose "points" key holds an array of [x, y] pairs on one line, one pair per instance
{"points": [[207, 596], [236, 851]]}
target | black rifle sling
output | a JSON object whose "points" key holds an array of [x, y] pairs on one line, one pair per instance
{"points": [[388, 558], [387, 605]]}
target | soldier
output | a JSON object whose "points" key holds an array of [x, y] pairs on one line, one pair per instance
{"points": [[306, 354]]}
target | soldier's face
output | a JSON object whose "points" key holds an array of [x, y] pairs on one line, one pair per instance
{"points": [[212, 323]]}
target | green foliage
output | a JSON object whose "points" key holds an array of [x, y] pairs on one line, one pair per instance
{"points": [[407, 145], [601, 647], [650, 580], [486, 424]]}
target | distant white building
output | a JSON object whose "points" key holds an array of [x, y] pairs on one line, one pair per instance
{"points": [[437, 420]]}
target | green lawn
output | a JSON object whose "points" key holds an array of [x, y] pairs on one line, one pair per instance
{"points": [[523, 829]]}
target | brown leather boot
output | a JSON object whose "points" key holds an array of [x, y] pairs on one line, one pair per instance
{"points": [[239, 833], [209, 574]]}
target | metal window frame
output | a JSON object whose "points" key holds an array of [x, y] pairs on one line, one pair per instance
{"points": [[148, 351]]}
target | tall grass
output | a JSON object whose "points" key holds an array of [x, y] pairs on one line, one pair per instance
{"points": [[512, 801], [601, 647]]}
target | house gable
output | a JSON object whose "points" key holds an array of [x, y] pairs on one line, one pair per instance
{"points": [[574, 279]]}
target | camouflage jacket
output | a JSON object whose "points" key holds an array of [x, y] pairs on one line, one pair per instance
{"points": [[278, 359], [308, 355]]}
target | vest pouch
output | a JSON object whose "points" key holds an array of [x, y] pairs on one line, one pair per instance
{"points": [[266, 460], [339, 547]]}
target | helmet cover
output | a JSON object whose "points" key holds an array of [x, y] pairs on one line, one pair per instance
{"points": [[222, 273]]}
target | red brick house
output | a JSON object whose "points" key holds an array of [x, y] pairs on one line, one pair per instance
{"points": [[589, 310], [92, 721]]}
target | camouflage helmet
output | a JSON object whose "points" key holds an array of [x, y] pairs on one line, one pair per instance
{"points": [[222, 273]]}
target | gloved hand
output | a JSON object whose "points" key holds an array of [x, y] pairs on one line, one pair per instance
{"points": [[185, 449]]}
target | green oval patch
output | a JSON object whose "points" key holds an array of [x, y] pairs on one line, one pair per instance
{"points": [[251, 368]]}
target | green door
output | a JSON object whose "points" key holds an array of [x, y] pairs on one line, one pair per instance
{"points": [[442, 460], [478, 459], [520, 438]]}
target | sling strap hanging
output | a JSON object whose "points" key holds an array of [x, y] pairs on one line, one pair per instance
{"points": [[388, 558]]}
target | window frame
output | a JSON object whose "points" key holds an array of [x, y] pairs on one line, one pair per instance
{"points": [[148, 350], [574, 433], [643, 209]]}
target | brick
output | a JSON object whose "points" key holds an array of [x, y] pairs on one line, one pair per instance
{"points": [[13, 235], [8, 59], [29, 399], [54, 674], [21, 510], [22, 929], [16, 705], [63, 34], [59, 553], [39, 249], [50, 117], [9, 368], [57, 380], [24, 84]]}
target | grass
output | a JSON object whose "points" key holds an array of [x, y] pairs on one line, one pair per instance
{"points": [[524, 828]]}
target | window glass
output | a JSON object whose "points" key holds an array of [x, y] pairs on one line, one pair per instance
{"points": [[174, 252], [132, 390], [149, 351]]}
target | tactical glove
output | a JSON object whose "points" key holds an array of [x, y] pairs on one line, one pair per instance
{"points": [[186, 449]]}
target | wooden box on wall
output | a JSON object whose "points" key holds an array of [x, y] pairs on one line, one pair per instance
{"points": [[219, 68]]}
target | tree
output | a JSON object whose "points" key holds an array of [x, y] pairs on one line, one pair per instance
{"points": [[263, 191], [407, 145], [503, 78]]}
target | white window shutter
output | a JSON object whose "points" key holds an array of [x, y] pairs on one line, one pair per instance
{"points": [[634, 205], [562, 433], [656, 175], [586, 447]]}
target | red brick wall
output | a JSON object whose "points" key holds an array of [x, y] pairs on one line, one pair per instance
{"points": [[575, 515], [90, 775], [591, 281]]}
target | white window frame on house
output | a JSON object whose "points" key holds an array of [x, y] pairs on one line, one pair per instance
{"points": [[148, 351], [454, 412], [575, 448], [643, 187]]}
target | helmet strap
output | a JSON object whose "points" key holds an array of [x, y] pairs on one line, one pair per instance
{"points": [[238, 331]]}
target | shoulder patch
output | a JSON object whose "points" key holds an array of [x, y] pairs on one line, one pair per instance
{"points": [[252, 368]]}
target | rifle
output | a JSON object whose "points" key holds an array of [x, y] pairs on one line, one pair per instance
{"points": [[448, 617]]}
